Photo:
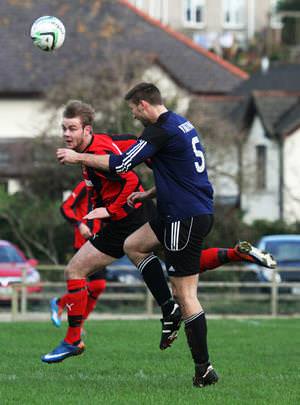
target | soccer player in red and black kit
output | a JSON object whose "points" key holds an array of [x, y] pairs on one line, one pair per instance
{"points": [[73, 209], [109, 193]]}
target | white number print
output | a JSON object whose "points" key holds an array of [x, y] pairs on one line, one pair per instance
{"points": [[200, 167]]}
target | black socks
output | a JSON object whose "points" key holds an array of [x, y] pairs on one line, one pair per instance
{"points": [[196, 333], [155, 280]]}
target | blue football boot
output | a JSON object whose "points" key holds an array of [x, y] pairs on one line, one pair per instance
{"points": [[63, 351], [55, 315]]}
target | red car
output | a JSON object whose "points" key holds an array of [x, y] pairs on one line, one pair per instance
{"points": [[12, 261]]}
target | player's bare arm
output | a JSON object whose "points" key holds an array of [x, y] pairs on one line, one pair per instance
{"points": [[139, 196], [65, 155], [98, 213]]}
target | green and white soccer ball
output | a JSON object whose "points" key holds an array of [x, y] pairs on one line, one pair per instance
{"points": [[48, 33]]}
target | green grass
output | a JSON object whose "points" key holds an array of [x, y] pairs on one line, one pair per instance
{"points": [[258, 362]]}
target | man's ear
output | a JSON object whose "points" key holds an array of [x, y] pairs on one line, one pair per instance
{"points": [[144, 104], [88, 130]]}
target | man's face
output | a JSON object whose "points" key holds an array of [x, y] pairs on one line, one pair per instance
{"points": [[74, 133], [139, 112]]}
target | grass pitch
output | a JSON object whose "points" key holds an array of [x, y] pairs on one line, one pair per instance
{"points": [[258, 362]]}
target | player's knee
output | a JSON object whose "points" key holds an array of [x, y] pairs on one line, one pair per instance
{"points": [[187, 301], [130, 247], [70, 273]]}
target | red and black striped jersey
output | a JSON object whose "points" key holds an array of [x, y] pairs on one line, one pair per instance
{"points": [[111, 190], [74, 208]]}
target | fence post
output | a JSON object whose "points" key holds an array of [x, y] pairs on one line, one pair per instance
{"points": [[274, 294], [23, 293], [149, 302], [14, 303]]}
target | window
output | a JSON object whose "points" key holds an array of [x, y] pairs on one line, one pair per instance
{"points": [[275, 20], [234, 13], [261, 167], [138, 3], [4, 159], [159, 9], [9, 254], [284, 250], [194, 12]]}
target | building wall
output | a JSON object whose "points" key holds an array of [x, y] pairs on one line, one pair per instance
{"points": [[260, 204], [29, 118], [171, 12], [292, 177], [26, 118], [13, 186], [223, 170], [170, 91]]}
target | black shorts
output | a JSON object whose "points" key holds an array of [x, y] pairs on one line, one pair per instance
{"points": [[110, 239], [182, 242]]}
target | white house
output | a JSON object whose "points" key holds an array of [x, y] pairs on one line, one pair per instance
{"points": [[216, 23], [273, 191], [292, 174], [253, 144], [272, 148]]}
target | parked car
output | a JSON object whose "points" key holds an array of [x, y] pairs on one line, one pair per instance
{"points": [[12, 261], [123, 271], [286, 250]]}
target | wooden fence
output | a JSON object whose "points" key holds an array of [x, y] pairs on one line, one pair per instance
{"points": [[138, 293]]}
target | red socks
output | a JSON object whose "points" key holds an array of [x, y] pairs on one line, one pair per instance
{"points": [[209, 259], [84, 302], [233, 256], [75, 302], [95, 288], [216, 257]]}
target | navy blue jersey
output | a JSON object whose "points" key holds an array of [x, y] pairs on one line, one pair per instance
{"points": [[182, 186]]}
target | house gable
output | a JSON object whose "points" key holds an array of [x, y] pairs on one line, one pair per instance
{"points": [[260, 202]]}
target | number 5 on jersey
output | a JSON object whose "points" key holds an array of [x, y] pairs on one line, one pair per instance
{"points": [[200, 163]]}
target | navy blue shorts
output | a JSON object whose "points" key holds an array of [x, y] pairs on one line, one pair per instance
{"points": [[182, 242]]}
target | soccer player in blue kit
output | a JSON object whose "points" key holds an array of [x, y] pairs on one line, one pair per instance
{"points": [[184, 209]]}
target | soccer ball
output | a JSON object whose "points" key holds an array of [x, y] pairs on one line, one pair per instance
{"points": [[48, 33]]}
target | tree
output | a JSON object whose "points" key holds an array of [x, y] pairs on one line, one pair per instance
{"points": [[32, 215], [288, 5], [33, 224], [291, 25], [224, 139], [105, 89]]}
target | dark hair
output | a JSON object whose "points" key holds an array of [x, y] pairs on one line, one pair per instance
{"points": [[144, 91], [76, 108]]}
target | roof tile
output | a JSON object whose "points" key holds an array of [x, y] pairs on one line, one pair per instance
{"points": [[195, 69]]}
